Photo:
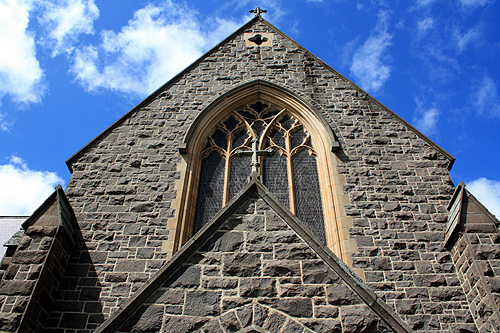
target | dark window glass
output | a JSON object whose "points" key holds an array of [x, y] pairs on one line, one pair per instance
{"points": [[231, 123], [307, 193], [289, 135], [239, 138], [210, 189], [220, 139], [287, 122], [275, 177], [239, 173], [258, 107], [258, 127], [298, 138], [277, 137]]}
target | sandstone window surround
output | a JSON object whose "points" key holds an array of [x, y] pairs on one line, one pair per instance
{"points": [[283, 122]]}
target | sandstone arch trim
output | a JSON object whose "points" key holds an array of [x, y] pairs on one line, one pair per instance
{"points": [[337, 224]]}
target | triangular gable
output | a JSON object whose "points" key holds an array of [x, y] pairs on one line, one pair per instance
{"points": [[468, 214], [46, 241], [241, 30], [254, 266], [54, 211]]}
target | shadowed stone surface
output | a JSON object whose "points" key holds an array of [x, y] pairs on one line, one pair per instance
{"points": [[251, 291]]}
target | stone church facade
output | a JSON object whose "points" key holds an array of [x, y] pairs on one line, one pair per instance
{"points": [[352, 224]]}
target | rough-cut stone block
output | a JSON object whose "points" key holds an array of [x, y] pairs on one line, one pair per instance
{"points": [[230, 322], [317, 272], [202, 303], [294, 252], [40, 231], [296, 307], [183, 323], [29, 257], [281, 268], [358, 319], [257, 287], [10, 322], [75, 320], [17, 288], [145, 319], [242, 264], [260, 315], [295, 290], [330, 312], [220, 283], [408, 306], [90, 293], [245, 315], [323, 325], [275, 322], [341, 295], [130, 266], [446, 294], [245, 223], [185, 277], [116, 277], [274, 222], [429, 280], [224, 242]]}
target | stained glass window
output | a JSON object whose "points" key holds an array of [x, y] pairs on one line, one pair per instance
{"points": [[291, 174]]}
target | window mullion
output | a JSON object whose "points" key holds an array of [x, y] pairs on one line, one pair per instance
{"points": [[225, 196], [288, 147]]}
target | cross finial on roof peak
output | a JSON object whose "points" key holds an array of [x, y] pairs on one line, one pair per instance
{"points": [[257, 11]]}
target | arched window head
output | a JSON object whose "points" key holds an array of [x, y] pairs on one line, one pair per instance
{"points": [[291, 174], [301, 174]]}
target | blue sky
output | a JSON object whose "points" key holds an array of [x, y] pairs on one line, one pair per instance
{"points": [[70, 68]]}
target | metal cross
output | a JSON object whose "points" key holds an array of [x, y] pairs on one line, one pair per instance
{"points": [[255, 153], [258, 11]]}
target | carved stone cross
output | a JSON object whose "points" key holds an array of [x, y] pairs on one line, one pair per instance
{"points": [[255, 153], [258, 11]]}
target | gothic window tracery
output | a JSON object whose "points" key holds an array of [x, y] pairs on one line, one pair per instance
{"points": [[291, 174]]}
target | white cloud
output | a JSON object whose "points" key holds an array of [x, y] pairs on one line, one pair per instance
{"points": [[156, 44], [20, 72], [424, 3], [368, 61], [425, 24], [426, 120], [65, 20], [474, 3], [488, 192], [22, 190], [4, 124], [485, 99], [462, 40]]}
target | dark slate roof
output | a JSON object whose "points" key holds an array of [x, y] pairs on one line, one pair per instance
{"points": [[468, 214], [255, 187], [15, 239], [256, 19]]}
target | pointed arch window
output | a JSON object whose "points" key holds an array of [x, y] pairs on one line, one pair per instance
{"points": [[291, 174]]}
